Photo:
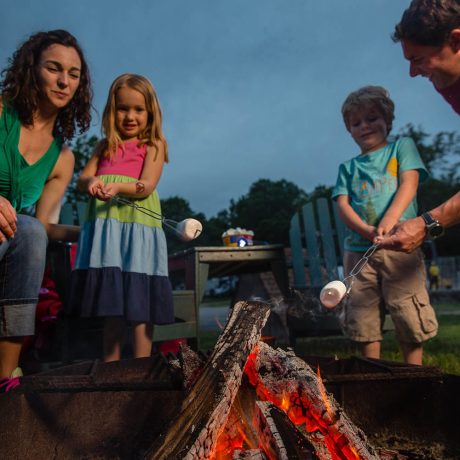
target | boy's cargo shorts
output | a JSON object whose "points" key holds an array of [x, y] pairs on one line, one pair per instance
{"points": [[392, 281]]}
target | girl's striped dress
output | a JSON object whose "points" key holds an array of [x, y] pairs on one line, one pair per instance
{"points": [[121, 267]]}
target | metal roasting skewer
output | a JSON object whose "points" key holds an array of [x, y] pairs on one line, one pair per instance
{"points": [[359, 266], [333, 293], [170, 223]]}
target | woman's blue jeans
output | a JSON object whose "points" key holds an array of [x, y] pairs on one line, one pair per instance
{"points": [[22, 263]]}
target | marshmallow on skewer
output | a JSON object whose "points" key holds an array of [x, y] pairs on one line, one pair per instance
{"points": [[189, 229], [332, 293]]}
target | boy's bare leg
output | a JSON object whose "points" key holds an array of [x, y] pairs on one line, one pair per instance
{"points": [[142, 339], [371, 350], [114, 329], [10, 349], [413, 353]]}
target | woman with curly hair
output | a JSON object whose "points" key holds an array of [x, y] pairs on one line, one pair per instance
{"points": [[45, 98]]}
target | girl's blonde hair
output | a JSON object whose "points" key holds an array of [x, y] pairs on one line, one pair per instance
{"points": [[152, 134], [374, 96]]}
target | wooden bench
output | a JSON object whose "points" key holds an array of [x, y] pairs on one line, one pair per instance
{"points": [[59, 254]]}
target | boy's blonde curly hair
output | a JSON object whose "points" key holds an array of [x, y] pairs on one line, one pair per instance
{"points": [[370, 96]]}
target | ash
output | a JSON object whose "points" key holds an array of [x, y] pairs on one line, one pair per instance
{"points": [[303, 307]]}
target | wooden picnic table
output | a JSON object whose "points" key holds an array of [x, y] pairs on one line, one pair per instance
{"points": [[197, 264]]}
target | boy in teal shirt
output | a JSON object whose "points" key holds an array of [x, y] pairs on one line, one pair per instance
{"points": [[374, 191]]}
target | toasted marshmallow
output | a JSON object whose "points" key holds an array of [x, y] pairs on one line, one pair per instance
{"points": [[189, 229], [332, 293]]}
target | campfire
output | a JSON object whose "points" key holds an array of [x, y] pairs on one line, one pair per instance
{"points": [[245, 400], [250, 401]]}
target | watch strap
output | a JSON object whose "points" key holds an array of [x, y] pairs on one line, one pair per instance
{"points": [[428, 218]]}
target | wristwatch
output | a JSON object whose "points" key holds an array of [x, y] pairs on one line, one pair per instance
{"points": [[433, 228]]}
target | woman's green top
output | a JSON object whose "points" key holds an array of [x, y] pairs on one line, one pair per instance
{"points": [[22, 183]]}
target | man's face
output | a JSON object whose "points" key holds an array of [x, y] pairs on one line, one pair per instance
{"points": [[440, 64]]}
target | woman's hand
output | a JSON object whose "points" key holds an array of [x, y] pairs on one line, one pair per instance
{"points": [[8, 220]]}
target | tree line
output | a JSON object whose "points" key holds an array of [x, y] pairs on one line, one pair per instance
{"points": [[268, 205]]}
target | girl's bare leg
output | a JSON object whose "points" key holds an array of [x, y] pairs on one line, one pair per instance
{"points": [[10, 349], [114, 329], [413, 353], [371, 350], [142, 339]]}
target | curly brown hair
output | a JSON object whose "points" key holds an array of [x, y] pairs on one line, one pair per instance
{"points": [[20, 87], [428, 22]]}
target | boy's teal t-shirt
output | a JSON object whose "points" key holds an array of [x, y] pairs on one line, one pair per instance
{"points": [[371, 181]]}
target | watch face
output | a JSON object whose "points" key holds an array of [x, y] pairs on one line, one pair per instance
{"points": [[436, 231]]}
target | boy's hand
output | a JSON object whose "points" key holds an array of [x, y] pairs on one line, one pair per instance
{"points": [[385, 226], [370, 232]]}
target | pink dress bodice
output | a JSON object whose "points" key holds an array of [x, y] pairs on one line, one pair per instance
{"points": [[128, 161]]}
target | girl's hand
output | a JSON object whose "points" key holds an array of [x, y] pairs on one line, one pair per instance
{"points": [[95, 186], [8, 220], [109, 191]]}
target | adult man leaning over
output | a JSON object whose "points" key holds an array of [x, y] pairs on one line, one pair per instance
{"points": [[429, 33]]}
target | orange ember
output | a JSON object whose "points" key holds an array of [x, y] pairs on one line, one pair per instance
{"points": [[323, 392], [300, 413]]}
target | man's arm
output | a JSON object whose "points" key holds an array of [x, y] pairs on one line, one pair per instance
{"points": [[448, 213], [409, 235]]}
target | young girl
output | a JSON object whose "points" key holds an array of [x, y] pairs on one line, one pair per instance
{"points": [[121, 268]]}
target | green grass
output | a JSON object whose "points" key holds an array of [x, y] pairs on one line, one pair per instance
{"points": [[447, 307], [442, 351], [216, 302]]}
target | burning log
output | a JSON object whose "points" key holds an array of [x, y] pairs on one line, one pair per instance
{"points": [[278, 436], [239, 431], [290, 384], [191, 365], [253, 454], [193, 433]]}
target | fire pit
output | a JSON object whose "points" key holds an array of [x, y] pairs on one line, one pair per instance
{"points": [[229, 405]]}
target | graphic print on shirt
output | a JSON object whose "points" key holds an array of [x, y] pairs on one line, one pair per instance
{"points": [[370, 213], [366, 188]]}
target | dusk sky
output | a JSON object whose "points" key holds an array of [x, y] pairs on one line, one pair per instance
{"points": [[249, 89]]}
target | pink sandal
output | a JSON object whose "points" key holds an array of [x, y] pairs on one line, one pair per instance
{"points": [[7, 384]]}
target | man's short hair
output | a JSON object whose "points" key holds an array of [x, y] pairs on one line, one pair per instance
{"points": [[428, 22], [369, 96]]}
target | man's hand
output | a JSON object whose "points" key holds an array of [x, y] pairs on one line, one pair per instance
{"points": [[405, 236], [8, 220]]}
